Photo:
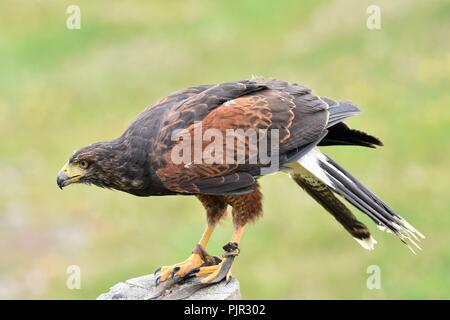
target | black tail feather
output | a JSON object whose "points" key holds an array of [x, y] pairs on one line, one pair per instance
{"points": [[341, 134]]}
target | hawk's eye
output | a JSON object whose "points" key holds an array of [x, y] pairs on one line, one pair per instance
{"points": [[84, 164]]}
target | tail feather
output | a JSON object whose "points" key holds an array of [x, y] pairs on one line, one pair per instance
{"points": [[324, 195], [341, 134], [338, 132], [344, 184]]}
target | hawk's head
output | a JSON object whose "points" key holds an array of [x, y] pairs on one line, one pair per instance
{"points": [[93, 164]]}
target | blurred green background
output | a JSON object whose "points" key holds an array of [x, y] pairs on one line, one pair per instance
{"points": [[62, 89]]}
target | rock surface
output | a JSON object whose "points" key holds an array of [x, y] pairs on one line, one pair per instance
{"points": [[144, 288]]}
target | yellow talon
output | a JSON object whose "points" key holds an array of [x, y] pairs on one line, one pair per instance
{"points": [[180, 269]]}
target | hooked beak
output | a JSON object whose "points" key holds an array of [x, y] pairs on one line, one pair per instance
{"points": [[69, 174]]}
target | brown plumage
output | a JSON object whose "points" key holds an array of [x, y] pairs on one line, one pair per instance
{"points": [[287, 117]]}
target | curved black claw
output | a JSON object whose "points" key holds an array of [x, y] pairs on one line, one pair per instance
{"points": [[174, 272]]}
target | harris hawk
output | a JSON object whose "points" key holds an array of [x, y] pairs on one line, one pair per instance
{"points": [[290, 123]]}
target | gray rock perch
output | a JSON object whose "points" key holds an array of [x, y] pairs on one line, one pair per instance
{"points": [[143, 288]]}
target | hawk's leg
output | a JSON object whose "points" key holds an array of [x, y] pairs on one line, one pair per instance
{"points": [[246, 208], [215, 209]]}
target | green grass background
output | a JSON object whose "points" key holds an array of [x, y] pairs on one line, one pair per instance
{"points": [[62, 89]]}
